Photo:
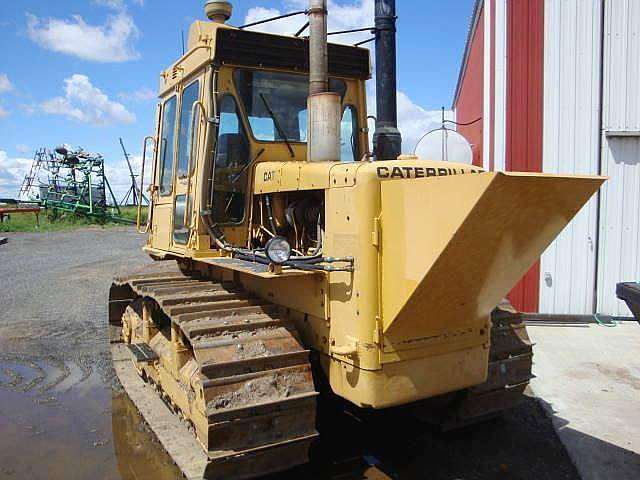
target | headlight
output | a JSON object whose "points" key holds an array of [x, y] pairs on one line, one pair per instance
{"points": [[278, 250]]}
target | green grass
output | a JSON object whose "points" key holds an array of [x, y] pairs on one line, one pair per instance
{"points": [[26, 222]]}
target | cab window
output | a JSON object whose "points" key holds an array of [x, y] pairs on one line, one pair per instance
{"points": [[349, 135], [230, 165], [276, 103], [165, 160], [189, 96]]}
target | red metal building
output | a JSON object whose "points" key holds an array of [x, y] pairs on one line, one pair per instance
{"points": [[518, 41], [556, 84]]}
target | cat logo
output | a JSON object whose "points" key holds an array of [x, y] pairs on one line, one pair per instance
{"points": [[269, 176], [421, 172]]}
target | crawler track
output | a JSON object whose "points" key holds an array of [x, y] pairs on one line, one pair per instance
{"points": [[229, 364], [509, 373], [510, 363]]}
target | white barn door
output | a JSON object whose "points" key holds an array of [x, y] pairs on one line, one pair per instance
{"points": [[619, 259], [570, 145]]}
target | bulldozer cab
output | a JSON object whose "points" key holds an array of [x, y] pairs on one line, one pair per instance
{"points": [[263, 115], [234, 99]]}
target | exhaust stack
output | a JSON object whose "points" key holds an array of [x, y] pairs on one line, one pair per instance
{"points": [[324, 107], [387, 141]]}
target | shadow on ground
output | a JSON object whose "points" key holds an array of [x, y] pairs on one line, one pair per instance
{"points": [[597, 458]]}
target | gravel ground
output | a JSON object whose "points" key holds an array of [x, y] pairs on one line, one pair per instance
{"points": [[54, 293], [55, 389]]}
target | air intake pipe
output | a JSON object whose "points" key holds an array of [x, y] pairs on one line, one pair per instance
{"points": [[324, 107], [387, 141]]}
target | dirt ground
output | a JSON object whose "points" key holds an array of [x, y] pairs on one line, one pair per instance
{"points": [[62, 415]]}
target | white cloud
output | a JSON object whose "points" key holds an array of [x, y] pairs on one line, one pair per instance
{"points": [[28, 108], [286, 26], [22, 148], [141, 95], [117, 4], [5, 84], [86, 103], [12, 172], [114, 4], [110, 42], [413, 120], [341, 17]]}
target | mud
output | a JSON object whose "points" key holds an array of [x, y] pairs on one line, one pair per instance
{"points": [[63, 416], [270, 387]]}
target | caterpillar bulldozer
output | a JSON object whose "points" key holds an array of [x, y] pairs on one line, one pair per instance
{"points": [[294, 262]]}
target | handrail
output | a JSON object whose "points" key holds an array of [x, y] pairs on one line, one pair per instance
{"points": [[140, 196], [190, 167]]}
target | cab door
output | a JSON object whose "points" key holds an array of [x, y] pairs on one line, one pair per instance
{"points": [[165, 162], [186, 158]]}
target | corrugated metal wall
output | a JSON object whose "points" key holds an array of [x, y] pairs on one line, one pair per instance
{"points": [[619, 259], [524, 107], [469, 102], [570, 145]]}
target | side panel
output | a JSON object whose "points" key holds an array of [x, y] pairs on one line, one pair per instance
{"points": [[570, 145], [620, 200], [162, 226], [525, 46]]}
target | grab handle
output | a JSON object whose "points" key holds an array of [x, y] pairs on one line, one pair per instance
{"points": [[199, 107], [141, 195]]}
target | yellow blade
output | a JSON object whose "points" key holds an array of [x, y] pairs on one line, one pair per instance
{"points": [[452, 247]]}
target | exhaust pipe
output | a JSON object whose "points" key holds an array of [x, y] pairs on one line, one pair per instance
{"points": [[318, 48], [387, 140], [324, 107]]}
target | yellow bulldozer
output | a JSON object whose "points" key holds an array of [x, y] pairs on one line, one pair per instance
{"points": [[295, 262]]}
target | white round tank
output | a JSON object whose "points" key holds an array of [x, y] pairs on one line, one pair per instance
{"points": [[447, 145]]}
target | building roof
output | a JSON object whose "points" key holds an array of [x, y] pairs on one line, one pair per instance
{"points": [[473, 25]]}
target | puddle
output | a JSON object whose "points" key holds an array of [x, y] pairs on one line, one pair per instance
{"points": [[83, 431], [58, 421]]}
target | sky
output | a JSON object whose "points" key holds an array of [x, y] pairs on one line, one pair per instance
{"points": [[85, 72]]}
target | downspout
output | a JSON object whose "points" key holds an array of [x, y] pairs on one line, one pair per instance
{"points": [[600, 146]]}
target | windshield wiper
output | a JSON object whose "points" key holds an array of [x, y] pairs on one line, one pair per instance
{"points": [[239, 174], [277, 124]]}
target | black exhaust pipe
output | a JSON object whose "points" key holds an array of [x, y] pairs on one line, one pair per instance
{"points": [[387, 141]]}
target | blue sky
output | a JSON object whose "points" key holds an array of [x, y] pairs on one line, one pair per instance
{"points": [[84, 72]]}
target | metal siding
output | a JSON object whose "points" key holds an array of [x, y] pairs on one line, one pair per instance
{"points": [[488, 79], [525, 47], [492, 87], [469, 104], [620, 203], [570, 145], [500, 85]]}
